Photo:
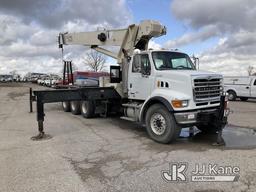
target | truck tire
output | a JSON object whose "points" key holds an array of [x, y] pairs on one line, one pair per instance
{"points": [[208, 128], [66, 106], [87, 109], [244, 98], [161, 125], [231, 95], [75, 107]]}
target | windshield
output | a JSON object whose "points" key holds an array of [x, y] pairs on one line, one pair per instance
{"points": [[172, 61]]}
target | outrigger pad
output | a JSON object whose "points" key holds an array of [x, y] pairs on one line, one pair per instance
{"points": [[220, 141], [41, 136]]}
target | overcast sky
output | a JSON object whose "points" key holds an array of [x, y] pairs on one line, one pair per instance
{"points": [[221, 33]]}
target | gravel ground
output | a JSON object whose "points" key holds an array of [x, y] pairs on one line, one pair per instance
{"points": [[108, 154]]}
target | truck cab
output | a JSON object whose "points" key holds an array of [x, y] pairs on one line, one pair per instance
{"points": [[169, 80]]}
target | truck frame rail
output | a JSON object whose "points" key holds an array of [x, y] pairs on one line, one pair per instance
{"points": [[60, 95]]}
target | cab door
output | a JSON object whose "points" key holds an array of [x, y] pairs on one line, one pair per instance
{"points": [[253, 88], [139, 81]]}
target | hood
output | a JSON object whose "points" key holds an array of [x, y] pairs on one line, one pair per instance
{"points": [[182, 80], [184, 75]]}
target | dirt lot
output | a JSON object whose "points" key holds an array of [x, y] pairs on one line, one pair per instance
{"points": [[111, 154]]}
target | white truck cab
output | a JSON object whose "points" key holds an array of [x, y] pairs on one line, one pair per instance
{"points": [[170, 76]]}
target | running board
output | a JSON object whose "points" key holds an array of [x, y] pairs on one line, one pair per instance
{"points": [[128, 118]]}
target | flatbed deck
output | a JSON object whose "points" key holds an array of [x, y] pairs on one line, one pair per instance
{"points": [[72, 94]]}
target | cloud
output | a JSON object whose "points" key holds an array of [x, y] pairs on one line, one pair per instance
{"points": [[153, 45], [232, 55], [232, 21], [36, 64], [227, 64], [30, 29], [228, 15], [54, 14], [189, 38], [240, 43], [11, 29]]}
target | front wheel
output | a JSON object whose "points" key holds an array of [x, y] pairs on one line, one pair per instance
{"points": [[161, 125], [231, 95]]}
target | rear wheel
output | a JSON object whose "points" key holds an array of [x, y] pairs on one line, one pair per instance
{"points": [[161, 125], [231, 95], [75, 107], [87, 109], [244, 98], [66, 106]]}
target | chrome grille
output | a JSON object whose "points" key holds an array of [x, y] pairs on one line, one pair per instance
{"points": [[207, 89]]}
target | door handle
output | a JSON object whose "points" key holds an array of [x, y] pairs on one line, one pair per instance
{"points": [[130, 85]]}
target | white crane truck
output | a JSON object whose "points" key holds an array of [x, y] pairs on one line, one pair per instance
{"points": [[159, 88]]}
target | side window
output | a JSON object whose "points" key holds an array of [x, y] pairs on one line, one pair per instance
{"points": [[159, 63], [145, 63], [254, 82], [136, 64]]}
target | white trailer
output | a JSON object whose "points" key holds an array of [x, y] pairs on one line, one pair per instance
{"points": [[243, 87]]}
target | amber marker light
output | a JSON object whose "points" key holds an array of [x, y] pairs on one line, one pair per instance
{"points": [[179, 103]]}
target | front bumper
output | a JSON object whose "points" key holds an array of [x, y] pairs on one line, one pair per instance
{"points": [[197, 116]]}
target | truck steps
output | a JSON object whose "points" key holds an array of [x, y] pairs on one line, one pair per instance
{"points": [[128, 118]]}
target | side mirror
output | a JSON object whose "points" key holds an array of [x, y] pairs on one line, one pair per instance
{"points": [[115, 74], [195, 61]]}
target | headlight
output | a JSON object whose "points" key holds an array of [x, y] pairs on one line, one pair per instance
{"points": [[179, 103]]}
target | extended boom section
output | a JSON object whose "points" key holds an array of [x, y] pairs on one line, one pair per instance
{"points": [[133, 37]]}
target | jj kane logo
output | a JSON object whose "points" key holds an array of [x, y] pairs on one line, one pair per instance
{"points": [[176, 172], [201, 173]]}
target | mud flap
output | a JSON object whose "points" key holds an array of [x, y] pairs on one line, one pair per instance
{"points": [[221, 121]]}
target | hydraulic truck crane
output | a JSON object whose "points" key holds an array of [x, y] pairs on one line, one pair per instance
{"points": [[159, 88]]}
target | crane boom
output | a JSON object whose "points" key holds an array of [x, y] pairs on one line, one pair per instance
{"points": [[128, 39]]}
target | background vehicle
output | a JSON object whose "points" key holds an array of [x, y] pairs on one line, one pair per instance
{"points": [[159, 88], [243, 87], [6, 78]]}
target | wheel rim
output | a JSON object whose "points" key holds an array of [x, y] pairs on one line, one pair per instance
{"points": [[230, 96], [84, 108], [158, 124]]}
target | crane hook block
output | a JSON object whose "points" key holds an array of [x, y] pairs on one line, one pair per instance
{"points": [[102, 37]]}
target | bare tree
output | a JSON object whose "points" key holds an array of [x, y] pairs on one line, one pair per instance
{"points": [[14, 72], [250, 70], [95, 60]]}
